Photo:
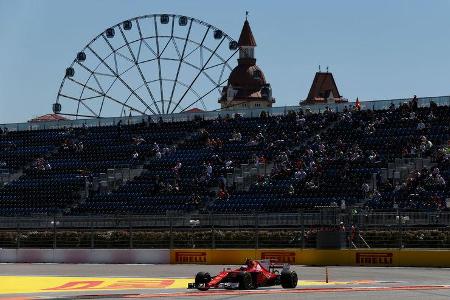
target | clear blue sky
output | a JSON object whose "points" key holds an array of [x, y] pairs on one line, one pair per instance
{"points": [[375, 49]]}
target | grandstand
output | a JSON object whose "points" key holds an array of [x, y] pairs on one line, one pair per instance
{"points": [[232, 163]]}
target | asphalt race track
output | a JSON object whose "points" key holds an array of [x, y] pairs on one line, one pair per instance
{"points": [[56, 281]]}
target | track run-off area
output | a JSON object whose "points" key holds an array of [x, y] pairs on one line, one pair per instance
{"points": [[83, 281]]}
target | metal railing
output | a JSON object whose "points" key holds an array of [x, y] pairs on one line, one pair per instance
{"points": [[325, 217], [376, 229], [246, 113]]}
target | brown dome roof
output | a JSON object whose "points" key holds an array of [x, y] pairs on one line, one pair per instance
{"points": [[246, 80], [248, 76]]}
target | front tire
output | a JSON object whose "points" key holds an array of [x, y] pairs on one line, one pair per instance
{"points": [[289, 279], [245, 281], [202, 278]]}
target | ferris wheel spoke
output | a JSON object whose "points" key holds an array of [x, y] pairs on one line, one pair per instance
{"points": [[201, 56], [107, 96], [179, 64], [135, 61], [198, 74], [203, 96], [220, 77], [170, 39], [170, 80], [92, 97], [203, 104], [150, 48], [125, 57], [79, 102], [159, 64], [98, 83], [142, 39], [93, 71], [200, 45], [93, 74], [139, 50], [113, 52], [165, 46], [120, 79], [176, 48], [202, 71]]}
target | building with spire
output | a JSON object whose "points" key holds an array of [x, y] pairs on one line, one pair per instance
{"points": [[323, 90], [247, 86]]}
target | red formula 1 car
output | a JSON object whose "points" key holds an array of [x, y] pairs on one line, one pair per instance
{"points": [[251, 275]]}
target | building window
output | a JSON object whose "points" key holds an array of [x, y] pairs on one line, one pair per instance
{"points": [[257, 74]]}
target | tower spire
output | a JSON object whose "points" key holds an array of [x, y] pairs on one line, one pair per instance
{"points": [[246, 38]]}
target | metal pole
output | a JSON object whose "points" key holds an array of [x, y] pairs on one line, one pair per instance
{"points": [[400, 240], [303, 229], [256, 232], [92, 234], [18, 234], [171, 232], [130, 233], [213, 232], [54, 232]]}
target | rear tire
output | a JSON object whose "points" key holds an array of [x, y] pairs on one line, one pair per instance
{"points": [[245, 281], [289, 279], [202, 278]]}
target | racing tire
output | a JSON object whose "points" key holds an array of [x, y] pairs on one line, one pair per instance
{"points": [[202, 278], [245, 281], [289, 279]]}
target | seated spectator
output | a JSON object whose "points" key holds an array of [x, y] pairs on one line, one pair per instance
{"points": [[435, 178], [222, 194], [420, 126], [135, 155], [138, 140], [236, 136], [209, 170], [300, 175]]}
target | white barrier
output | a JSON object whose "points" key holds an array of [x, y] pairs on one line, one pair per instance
{"points": [[85, 256]]}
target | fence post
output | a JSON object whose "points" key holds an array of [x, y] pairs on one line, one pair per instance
{"points": [[92, 234], [213, 232], [256, 232], [54, 232], [18, 234], [303, 228], [130, 232], [171, 232], [400, 239]]}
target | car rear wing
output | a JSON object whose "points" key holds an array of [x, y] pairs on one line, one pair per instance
{"points": [[272, 264]]}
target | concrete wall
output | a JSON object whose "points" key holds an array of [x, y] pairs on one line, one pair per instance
{"points": [[80, 256], [362, 257]]}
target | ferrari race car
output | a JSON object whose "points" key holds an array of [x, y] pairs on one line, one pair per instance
{"points": [[251, 275]]}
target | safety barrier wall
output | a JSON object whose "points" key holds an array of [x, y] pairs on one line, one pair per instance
{"points": [[80, 256], [313, 257]]}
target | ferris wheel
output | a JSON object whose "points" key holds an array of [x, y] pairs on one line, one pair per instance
{"points": [[153, 64]]}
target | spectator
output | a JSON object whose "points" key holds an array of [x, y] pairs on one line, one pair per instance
{"points": [[420, 126], [209, 170], [365, 189]]}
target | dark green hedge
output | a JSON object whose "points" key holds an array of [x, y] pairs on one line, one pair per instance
{"points": [[220, 238]]}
